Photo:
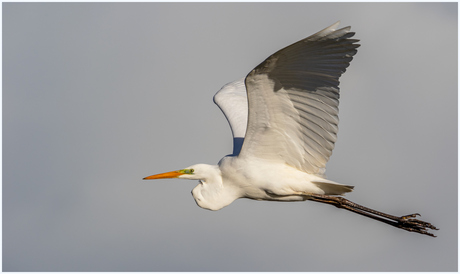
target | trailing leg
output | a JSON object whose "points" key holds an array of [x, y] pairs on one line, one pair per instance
{"points": [[407, 222]]}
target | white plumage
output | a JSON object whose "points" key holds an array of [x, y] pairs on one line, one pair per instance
{"points": [[286, 111], [284, 121]]}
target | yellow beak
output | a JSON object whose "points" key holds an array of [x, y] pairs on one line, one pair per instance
{"points": [[171, 174]]}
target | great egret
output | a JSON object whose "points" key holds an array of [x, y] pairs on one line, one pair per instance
{"points": [[284, 118]]}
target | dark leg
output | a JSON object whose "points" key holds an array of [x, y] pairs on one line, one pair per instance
{"points": [[407, 222]]}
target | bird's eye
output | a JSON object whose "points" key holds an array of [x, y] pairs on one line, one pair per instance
{"points": [[187, 171]]}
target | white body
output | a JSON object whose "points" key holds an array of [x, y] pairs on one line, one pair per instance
{"points": [[286, 111], [256, 179]]}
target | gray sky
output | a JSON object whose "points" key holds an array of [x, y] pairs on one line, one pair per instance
{"points": [[98, 96]]}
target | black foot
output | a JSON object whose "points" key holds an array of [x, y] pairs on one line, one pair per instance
{"points": [[410, 223]]}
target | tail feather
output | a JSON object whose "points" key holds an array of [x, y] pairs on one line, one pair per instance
{"points": [[334, 189]]}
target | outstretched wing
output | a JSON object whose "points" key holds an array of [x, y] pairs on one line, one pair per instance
{"points": [[293, 100], [233, 102]]}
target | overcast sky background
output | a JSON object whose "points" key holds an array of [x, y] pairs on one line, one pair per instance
{"points": [[98, 96]]}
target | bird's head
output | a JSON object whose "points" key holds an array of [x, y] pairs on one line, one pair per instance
{"points": [[209, 193]]}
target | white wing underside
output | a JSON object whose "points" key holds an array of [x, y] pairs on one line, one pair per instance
{"points": [[293, 99], [233, 102]]}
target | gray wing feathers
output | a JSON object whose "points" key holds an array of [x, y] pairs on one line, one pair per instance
{"points": [[312, 63], [307, 73]]}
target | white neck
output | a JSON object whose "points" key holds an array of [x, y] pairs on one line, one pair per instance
{"points": [[212, 193]]}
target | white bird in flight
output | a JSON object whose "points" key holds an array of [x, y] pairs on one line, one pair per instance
{"points": [[284, 117]]}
